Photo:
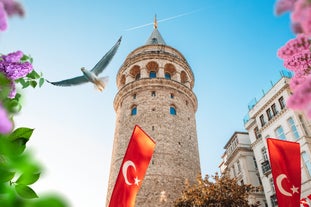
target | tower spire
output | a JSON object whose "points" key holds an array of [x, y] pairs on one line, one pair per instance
{"points": [[155, 23]]}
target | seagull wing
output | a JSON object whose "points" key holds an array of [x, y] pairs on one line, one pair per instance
{"points": [[102, 64], [70, 82]]}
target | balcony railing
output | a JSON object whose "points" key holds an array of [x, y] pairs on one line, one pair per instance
{"points": [[266, 169]]}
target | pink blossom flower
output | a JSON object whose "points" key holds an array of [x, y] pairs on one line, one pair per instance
{"points": [[301, 95], [299, 62], [283, 6], [296, 80], [3, 18], [294, 46], [296, 27], [302, 14], [12, 7], [5, 123]]}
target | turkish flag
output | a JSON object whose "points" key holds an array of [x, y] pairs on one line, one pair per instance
{"points": [[285, 161], [304, 202], [133, 169]]}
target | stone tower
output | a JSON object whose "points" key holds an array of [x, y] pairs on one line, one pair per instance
{"points": [[155, 91]]}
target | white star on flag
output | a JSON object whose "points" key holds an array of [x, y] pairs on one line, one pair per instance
{"points": [[294, 189], [137, 181]]}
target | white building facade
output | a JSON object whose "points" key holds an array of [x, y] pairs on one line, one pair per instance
{"points": [[239, 162], [269, 117]]}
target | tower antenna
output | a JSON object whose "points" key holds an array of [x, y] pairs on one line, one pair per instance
{"points": [[155, 23]]}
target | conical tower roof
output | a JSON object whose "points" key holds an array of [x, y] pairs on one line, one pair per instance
{"points": [[155, 37]]}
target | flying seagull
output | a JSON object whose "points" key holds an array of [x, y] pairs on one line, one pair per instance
{"points": [[92, 75]]}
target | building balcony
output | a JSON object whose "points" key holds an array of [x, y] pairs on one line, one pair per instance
{"points": [[266, 169]]}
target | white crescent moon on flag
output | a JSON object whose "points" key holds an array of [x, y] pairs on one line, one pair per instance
{"points": [[279, 180], [124, 170]]}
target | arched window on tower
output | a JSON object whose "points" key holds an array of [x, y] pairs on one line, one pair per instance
{"points": [[169, 71], [137, 77], [167, 76], [183, 77], [152, 69], [154, 41], [134, 110], [122, 80], [172, 110], [152, 74], [135, 72]]}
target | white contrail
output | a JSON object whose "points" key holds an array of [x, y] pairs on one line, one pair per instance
{"points": [[163, 20]]}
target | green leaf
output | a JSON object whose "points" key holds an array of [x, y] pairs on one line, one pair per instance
{"points": [[41, 81], [33, 83], [25, 191], [33, 75], [12, 105], [28, 178], [48, 201], [6, 175], [25, 58], [5, 86], [22, 132], [18, 146]]}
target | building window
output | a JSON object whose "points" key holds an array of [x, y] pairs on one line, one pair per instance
{"points": [[282, 102], [154, 41], [293, 127], [264, 154], [259, 180], [137, 77], [280, 133], [239, 166], [172, 110], [256, 132], [271, 185], [255, 163], [152, 74], [306, 161], [233, 171], [269, 114], [134, 110], [167, 76], [262, 120], [134, 96], [274, 110], [153, 93], [303, 125], [172, 95]]}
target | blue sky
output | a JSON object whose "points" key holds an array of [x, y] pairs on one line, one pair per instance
{"points": [[230, 45]]}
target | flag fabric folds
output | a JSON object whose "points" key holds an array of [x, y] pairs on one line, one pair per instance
{"points": [[285, 160], [133, 169], [304, 203]]}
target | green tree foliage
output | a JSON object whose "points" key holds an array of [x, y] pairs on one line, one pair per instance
{"points": [[222, 192]]}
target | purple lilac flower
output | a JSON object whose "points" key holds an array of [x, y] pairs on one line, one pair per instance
{"points": [[13, 57], [5, 123], [3, 18], [13, 68]]}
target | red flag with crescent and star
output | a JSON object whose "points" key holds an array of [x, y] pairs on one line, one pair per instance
{"points": [[133, 169], [285, 161]]}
